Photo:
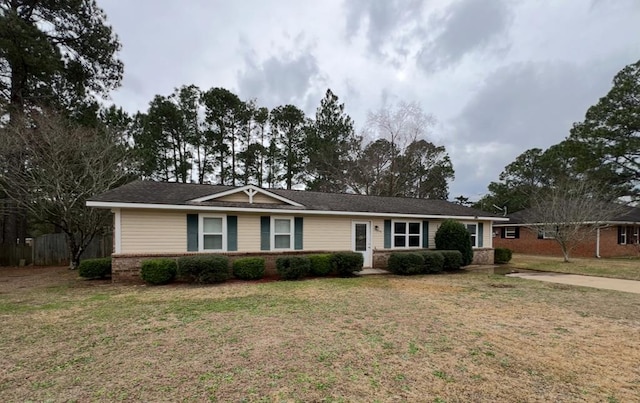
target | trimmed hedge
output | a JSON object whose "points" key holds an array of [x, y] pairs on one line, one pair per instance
{"points": [[433, 262], [95, 268], [406, 264], [347, 263], [292, 267], [502, 255], [249, 268], [452, 259], [205, 269], [321, 265], [453, 235], [158, 271]]}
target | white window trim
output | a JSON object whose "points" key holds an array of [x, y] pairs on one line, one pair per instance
{"points": [[291, 234], [549, 234], [475, 245], [513, 233], [201, 233], [406, 235]]}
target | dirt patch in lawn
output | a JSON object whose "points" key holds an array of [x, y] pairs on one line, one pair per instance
{"points": [[453, 337]]}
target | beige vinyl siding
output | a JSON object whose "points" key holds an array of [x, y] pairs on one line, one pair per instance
{"points": [[234, 197], [153, 231], [249, 233], [326, 233], [242, 197], [261, 198]]}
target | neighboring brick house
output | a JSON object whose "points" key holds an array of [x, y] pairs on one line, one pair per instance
{"points": [[615, 238], [174, 219]]}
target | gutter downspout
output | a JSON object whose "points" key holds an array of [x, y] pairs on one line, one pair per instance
{"points": [[598, 243]]}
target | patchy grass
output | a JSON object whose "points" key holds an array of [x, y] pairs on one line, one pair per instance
{"points": [[625, 268], [444, 338]]}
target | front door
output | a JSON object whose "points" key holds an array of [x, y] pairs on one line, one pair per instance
{"points": [[361, 235]]}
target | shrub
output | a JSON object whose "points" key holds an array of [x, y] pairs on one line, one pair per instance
{"points": [[204, 269], [95, 268], [249, 268], [292, 267], [433, 262], [406, 264], [452, 259], [321, 265], [502, 255], [347, 263], [158, 271], [453, 235]]}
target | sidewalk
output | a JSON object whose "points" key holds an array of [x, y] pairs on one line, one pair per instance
{"points": [[583, 281]]}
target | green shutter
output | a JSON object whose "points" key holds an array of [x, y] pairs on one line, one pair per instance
{"points": [[387, 234], [192, 232], [232, 233], [297, 233], [265, 233], [425, 234], [480, 234]]}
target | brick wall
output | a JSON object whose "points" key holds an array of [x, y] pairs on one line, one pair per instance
{"points": [[528, 243], [126, 267]]}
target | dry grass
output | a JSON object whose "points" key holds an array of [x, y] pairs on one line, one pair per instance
{"points": [[625, 268], [456, 337]]}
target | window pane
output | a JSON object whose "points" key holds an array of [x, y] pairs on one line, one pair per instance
{"points": [[213, 242], [282, 242], [212, 225], [414, 227], [361, 237], [471, 228], [282, 226], [473, 240], [414, 240], [399, 241], [400, 228]]}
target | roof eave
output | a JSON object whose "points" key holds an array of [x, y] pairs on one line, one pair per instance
{"points": [[118, 205]]}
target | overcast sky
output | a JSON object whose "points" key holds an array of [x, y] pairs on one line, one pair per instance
{"points": [[500, 76]]}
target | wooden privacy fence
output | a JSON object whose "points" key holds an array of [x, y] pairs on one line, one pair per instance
{"points": [[52, 250]]}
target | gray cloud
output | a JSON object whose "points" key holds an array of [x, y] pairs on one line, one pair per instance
{"points": [[282, 79], [467, 26], [521, 106], [382, 21]]}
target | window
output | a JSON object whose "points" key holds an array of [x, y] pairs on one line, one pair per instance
{"points": [[473, 231], [407, 234], [510, 232], [212, 236], [628, 235], [282, 233], [549, 234]]}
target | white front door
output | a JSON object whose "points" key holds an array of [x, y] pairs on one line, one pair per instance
{"points": [[361, 240]]}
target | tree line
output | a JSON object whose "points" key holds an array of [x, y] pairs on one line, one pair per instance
{"points": [[213, 136]]}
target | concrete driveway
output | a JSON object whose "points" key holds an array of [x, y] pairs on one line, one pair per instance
{"points": [[584, 281]]}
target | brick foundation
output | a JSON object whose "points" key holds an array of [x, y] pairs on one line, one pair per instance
{"points": [[126, 267], [480, 256]]}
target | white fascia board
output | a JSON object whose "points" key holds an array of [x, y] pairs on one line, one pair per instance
{"points": [[112, 205], [242, 189]]}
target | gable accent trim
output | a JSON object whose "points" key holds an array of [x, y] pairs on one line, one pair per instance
{"points": [[250, 191]]}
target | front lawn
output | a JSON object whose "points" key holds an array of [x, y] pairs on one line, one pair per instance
{"points": [[440, 338], [625, 268]]}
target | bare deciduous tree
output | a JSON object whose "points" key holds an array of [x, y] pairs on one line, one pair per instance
{"points": [[570, 212], [65, 164]]}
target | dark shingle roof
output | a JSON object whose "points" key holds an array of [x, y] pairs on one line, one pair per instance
{"points": [[627, 214], [149, 192]]}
